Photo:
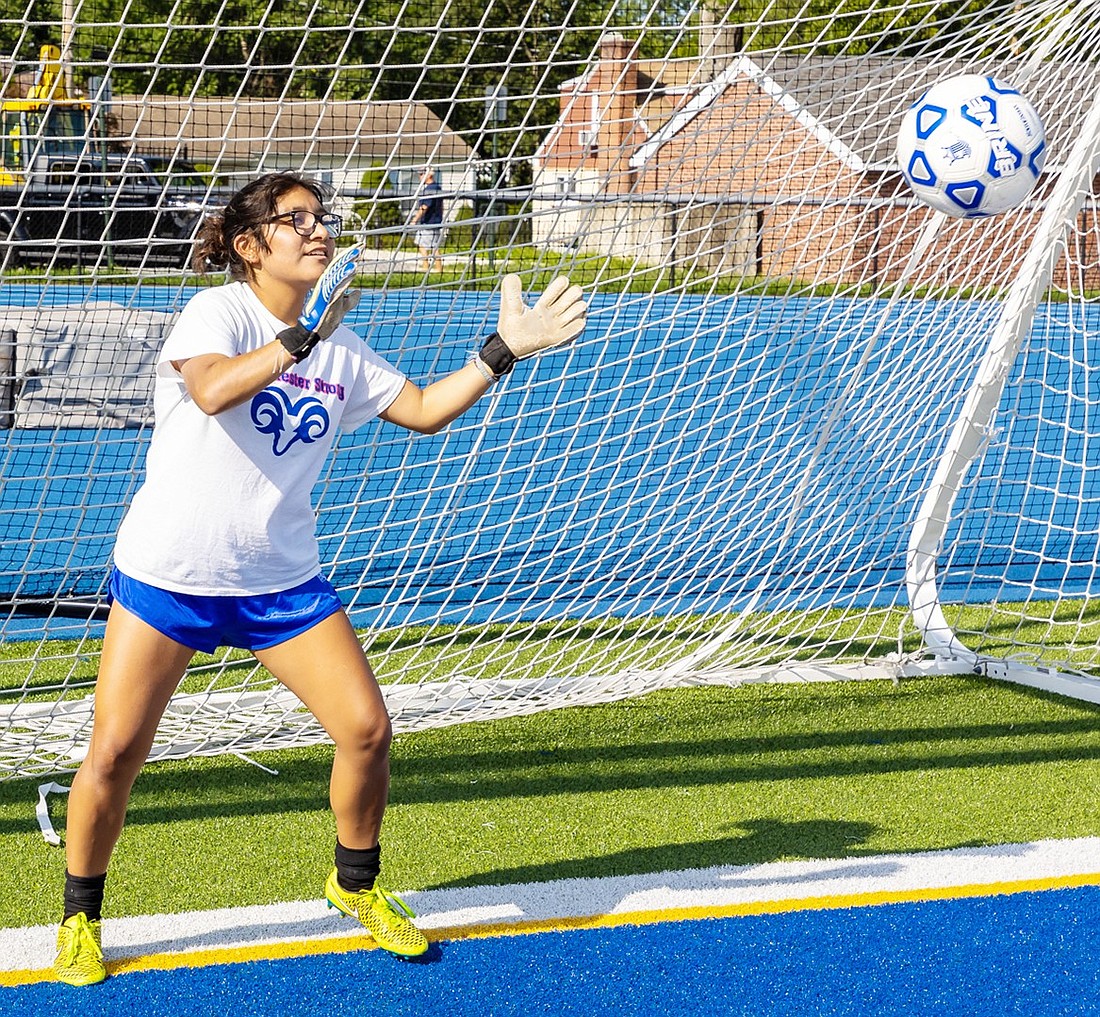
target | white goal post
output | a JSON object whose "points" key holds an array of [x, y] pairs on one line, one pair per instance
{"points": [[814, 430], [976, 423]]}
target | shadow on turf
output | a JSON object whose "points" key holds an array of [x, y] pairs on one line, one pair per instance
{"points": [[765, 840], [506, 765]]}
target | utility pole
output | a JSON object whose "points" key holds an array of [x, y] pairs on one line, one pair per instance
{"points": [[68, 20], [496, 112]]}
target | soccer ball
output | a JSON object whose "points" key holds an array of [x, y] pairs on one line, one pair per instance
{"points": [[971, 146]]}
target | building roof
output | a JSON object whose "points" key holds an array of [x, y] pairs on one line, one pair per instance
{"points": [[853, 105], [823, 89], [289, 134]]}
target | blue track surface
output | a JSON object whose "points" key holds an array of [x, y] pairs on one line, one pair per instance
{"points": [[1028, 953]]}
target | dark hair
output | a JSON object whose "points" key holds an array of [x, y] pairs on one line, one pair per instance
{"points": [[246, 211]]}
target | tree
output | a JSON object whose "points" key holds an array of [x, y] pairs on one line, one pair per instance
{"points": [[852, 27], [446, 54]]}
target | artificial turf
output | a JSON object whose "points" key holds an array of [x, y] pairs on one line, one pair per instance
{"points": [[672, 780]]}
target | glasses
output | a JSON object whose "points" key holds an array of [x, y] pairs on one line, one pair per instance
{"points": [[305, 222]]}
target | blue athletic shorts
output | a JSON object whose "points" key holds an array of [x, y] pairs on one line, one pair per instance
{"points": [[205, 623]]}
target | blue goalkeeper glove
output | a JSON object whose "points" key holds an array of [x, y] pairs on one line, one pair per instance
{"points": [[326, 305]]}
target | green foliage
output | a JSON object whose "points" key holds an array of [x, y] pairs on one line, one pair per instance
{"points": [[381, 215], [444, 53], [447, 54], [852, 27]]}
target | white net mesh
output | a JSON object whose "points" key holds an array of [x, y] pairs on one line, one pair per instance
{"points": [[719, 482]]}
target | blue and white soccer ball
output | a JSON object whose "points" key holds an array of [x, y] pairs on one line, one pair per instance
{"points": [[971, 146]]}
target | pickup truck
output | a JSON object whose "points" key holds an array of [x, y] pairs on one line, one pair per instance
{"points": [[102, 210]]}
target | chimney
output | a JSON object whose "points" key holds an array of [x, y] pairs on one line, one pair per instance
{"points": [[614, 94]]}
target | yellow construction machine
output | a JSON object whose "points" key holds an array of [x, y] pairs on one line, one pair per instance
{"points": [[46, 123]]}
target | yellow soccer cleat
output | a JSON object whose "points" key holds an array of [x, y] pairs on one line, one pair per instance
{"points": [[79, 953], [383, 914]]}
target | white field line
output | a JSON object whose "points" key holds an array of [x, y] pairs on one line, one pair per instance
{"points": [[693, 893]]}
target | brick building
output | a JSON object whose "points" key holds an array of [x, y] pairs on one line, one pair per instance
{"points": [[754, 167]]}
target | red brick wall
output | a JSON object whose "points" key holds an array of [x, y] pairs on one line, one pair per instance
{"points": [[821, 220]]}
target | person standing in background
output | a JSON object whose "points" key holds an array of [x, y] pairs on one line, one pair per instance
{"points": [[428, 220]]}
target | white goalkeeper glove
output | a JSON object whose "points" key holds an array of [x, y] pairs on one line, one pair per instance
{"points": [[325, 306], [522, 331]]}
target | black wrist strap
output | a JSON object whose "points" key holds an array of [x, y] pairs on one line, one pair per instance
{"points": [[298, 341], [496, 356]]}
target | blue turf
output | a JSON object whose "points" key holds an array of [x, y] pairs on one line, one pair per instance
{"points": [[693, 417], [1030, 953]]}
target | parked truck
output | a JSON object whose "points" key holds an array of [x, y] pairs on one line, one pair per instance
{"points": [[66, 193]]}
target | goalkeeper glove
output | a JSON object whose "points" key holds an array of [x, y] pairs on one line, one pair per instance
{"points": [[557, 317], [325, 307]]}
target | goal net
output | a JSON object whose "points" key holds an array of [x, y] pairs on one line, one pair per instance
{"points": [[813, 430]]}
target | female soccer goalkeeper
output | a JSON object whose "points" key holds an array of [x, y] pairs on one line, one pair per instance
{"points": [[218, 547]]}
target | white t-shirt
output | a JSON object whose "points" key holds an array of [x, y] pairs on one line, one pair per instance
{"points": [[226, 507]]}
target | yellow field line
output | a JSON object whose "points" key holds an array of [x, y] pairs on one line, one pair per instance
{"points": [[344, 944]]}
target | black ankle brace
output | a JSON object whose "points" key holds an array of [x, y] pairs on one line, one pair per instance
{"points": [[84, 893], [357, 869]]}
